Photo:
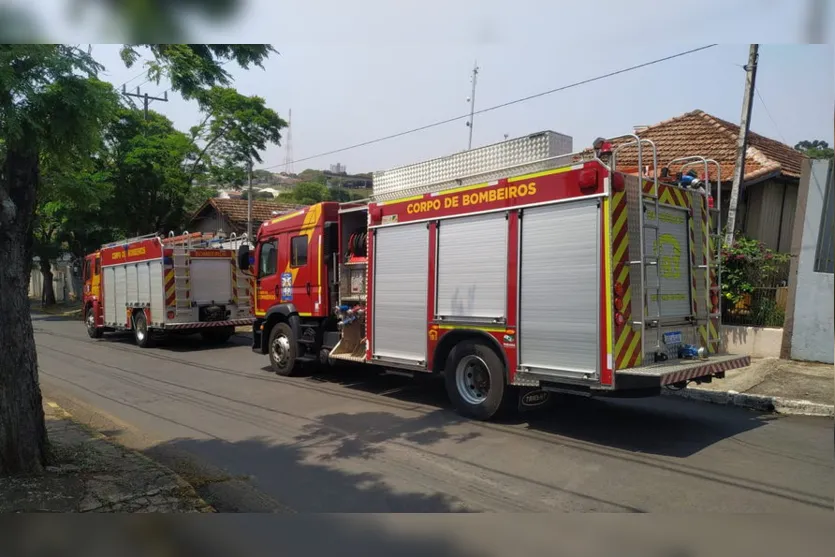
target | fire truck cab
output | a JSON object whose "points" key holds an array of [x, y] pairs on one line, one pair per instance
{"points": [[514, 271]]}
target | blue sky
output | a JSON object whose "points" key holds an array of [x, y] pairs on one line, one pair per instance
{"points": [[357, 71]]}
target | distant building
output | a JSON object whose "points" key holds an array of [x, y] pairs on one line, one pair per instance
{"points": [[338, 168]]}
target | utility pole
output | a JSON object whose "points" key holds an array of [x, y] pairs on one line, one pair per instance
{"points": [[146, 99], [249, 204], [816, 22], [471, 100], [744, 125]]}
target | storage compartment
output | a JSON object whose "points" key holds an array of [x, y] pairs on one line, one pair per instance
{"points": [[472, 268], [559, 331], [109, 283], [671, 247], [401, 266], [353, 256], [211, 281]]}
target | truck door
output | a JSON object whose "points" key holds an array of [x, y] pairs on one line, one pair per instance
{"points": [[299, 281], [267, 287], [92, 277]]}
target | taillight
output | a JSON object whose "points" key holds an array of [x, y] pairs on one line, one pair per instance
{"points": [[618, 304], [619, 290], [619, 319], [588, 179], [710, 201], [171, 315]]}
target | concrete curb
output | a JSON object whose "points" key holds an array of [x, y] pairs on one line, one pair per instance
{"points": [[762, 403]]}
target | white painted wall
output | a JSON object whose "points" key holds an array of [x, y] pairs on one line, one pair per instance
{"points": [[813, 336]]}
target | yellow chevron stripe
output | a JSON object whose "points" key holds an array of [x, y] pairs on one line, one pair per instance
{"points": [[624, 272], [636, 341]]}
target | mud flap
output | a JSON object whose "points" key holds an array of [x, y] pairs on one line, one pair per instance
{"points": [[533, 398]]}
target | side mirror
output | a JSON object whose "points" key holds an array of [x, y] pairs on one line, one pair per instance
{"points": [[243, 257]]}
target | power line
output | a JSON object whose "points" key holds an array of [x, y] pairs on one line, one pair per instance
{"points": [[498, 106], [767, 111]]}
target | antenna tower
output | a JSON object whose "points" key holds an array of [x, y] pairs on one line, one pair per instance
{"points": [[288, 144]]}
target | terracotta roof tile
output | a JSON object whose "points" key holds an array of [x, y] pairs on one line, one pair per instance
{"points": [[235, 209], [699, 133]]}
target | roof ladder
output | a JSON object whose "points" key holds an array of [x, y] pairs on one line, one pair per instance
{"points": [[647, 261], [182, 267]]}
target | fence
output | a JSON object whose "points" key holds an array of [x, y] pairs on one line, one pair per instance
{"points": [[761, 300]]}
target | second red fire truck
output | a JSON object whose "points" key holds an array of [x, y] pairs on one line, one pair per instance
{"points": [[151, 284], [514, 271]]}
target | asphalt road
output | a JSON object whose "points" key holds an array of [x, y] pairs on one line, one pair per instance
{"points": [[350, 440]]}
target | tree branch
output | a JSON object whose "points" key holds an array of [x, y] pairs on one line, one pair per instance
{"points": [[203, 152]]}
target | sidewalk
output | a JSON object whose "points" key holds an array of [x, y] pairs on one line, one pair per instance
{"points": [[61, 309], [770, 384], [92, 474]]}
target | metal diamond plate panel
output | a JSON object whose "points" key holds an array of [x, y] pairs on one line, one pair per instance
{"points": [[501, 160]]}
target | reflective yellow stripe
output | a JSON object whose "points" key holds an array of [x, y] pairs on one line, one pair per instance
{"points": [[474, 327], [607, 273]]}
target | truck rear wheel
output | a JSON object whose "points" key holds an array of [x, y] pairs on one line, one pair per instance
{"points": [[475, 380], [140, 330], [282, 349], [217, 335], [90, 323]]}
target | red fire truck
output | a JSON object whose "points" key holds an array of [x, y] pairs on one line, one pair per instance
{"points": [[151, 284], [514, 271]]}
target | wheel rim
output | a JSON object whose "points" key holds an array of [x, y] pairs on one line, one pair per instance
{"points": [[472, 379], [91, 322], [281, 350], [141, 329]]}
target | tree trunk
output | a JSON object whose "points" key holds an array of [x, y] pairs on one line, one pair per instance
{"points": [[48, 294], [22, 430]]}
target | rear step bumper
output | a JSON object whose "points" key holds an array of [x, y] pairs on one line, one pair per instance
{"points": [[676, 371], [208, 324]]}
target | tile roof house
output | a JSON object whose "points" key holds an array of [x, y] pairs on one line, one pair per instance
{"points": [[222, 217], [772, 170]]}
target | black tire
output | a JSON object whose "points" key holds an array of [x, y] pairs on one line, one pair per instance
{"points": [[479, 362], [90, 324], [217, 335], [282, 349], [141, 334]]}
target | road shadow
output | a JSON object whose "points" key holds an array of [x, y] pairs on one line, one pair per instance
{"points": [[295, 475], [665, 426], [181, 343]]}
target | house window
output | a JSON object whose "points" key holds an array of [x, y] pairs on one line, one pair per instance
{"points": [[268, 259], [298, 251], [824, 260]]}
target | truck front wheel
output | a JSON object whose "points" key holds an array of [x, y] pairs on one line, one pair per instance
{"points": [[475, 380], [282, 349], [90, 322]]}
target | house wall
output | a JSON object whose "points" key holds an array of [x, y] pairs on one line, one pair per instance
{"points": [[213, 222], [813, 327], [769, 213]]}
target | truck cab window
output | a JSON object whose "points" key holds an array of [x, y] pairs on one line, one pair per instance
{"points": [[87, 274], [98, 266], [267, 262], [298, 251]]}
